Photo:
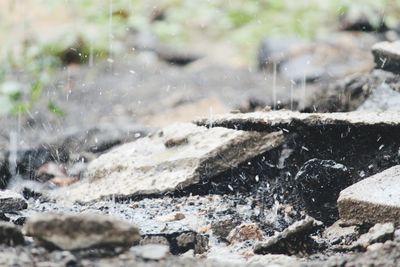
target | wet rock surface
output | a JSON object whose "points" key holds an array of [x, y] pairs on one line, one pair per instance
{"points": [[387, 56]]}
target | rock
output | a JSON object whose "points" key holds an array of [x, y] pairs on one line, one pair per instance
{"points": [[10, 234], [375, 199], [63, 181], [387, 56], [160, 163], [383, 98], [11, 201], [292, 240], [177, 216], [243, 232], [338, 234], [80, 231], [275, 260], [319, 183], [376, 234], [292, 121], [222, 228], [152, 251]]}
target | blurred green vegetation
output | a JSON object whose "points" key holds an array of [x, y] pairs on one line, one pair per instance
{"points": [[101, 26]]}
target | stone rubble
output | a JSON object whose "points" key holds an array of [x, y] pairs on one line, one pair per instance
{"points": [[380, 232]]}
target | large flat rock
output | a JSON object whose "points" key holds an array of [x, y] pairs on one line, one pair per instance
{"points": [[373, 200], [387, 56], [287, 120], [172, 159]]}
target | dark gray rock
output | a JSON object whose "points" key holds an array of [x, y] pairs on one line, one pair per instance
{"points": [[11, 201], [293, 240], [319, 183], [10, 234], [387, 56]]}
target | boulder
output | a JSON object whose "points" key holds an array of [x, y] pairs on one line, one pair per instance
{"points": [[80, 231], [375, 199], [173, 159]]}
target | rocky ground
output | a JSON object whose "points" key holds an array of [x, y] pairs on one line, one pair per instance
{"points": [[164, 161]]}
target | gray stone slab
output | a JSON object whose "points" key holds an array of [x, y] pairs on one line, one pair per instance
{"points": [[172, 159], [373, 200], [290, 120]]}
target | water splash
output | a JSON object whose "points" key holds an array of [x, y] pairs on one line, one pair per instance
{"points": [[274, 85]]}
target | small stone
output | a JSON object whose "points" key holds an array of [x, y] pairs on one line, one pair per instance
{"points": [[11, 201], [63, 181], [153, 252], [243, 232], [337, 234], [319, 183], [372, 200], [387, 56], [292, 240], [222, 228], [10, 234], [378, 233], [81, 231], [176, 216]]}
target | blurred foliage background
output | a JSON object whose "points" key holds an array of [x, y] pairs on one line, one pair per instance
{"points": [[35, 34]]}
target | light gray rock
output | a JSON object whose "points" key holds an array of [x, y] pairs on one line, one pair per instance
{"points": [[372, 200], [383, 98], [380, 232], [387, 56], [278, 260], [11, 201], [290, 120], [174, 158], [80, 231], [153, 252]]}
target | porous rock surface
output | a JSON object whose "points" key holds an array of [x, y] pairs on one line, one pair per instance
{"points": [[80, 231], [375, 199]]}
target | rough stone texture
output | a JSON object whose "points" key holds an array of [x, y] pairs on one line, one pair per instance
{"points": [[81, 231], [372, 200], [289, 120], [172, 159], [319, 183], [338, 234], [378, 233], [10, 234], [387, 56], [292, 240], [11, 201], [383, 98], [245, 231]]}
